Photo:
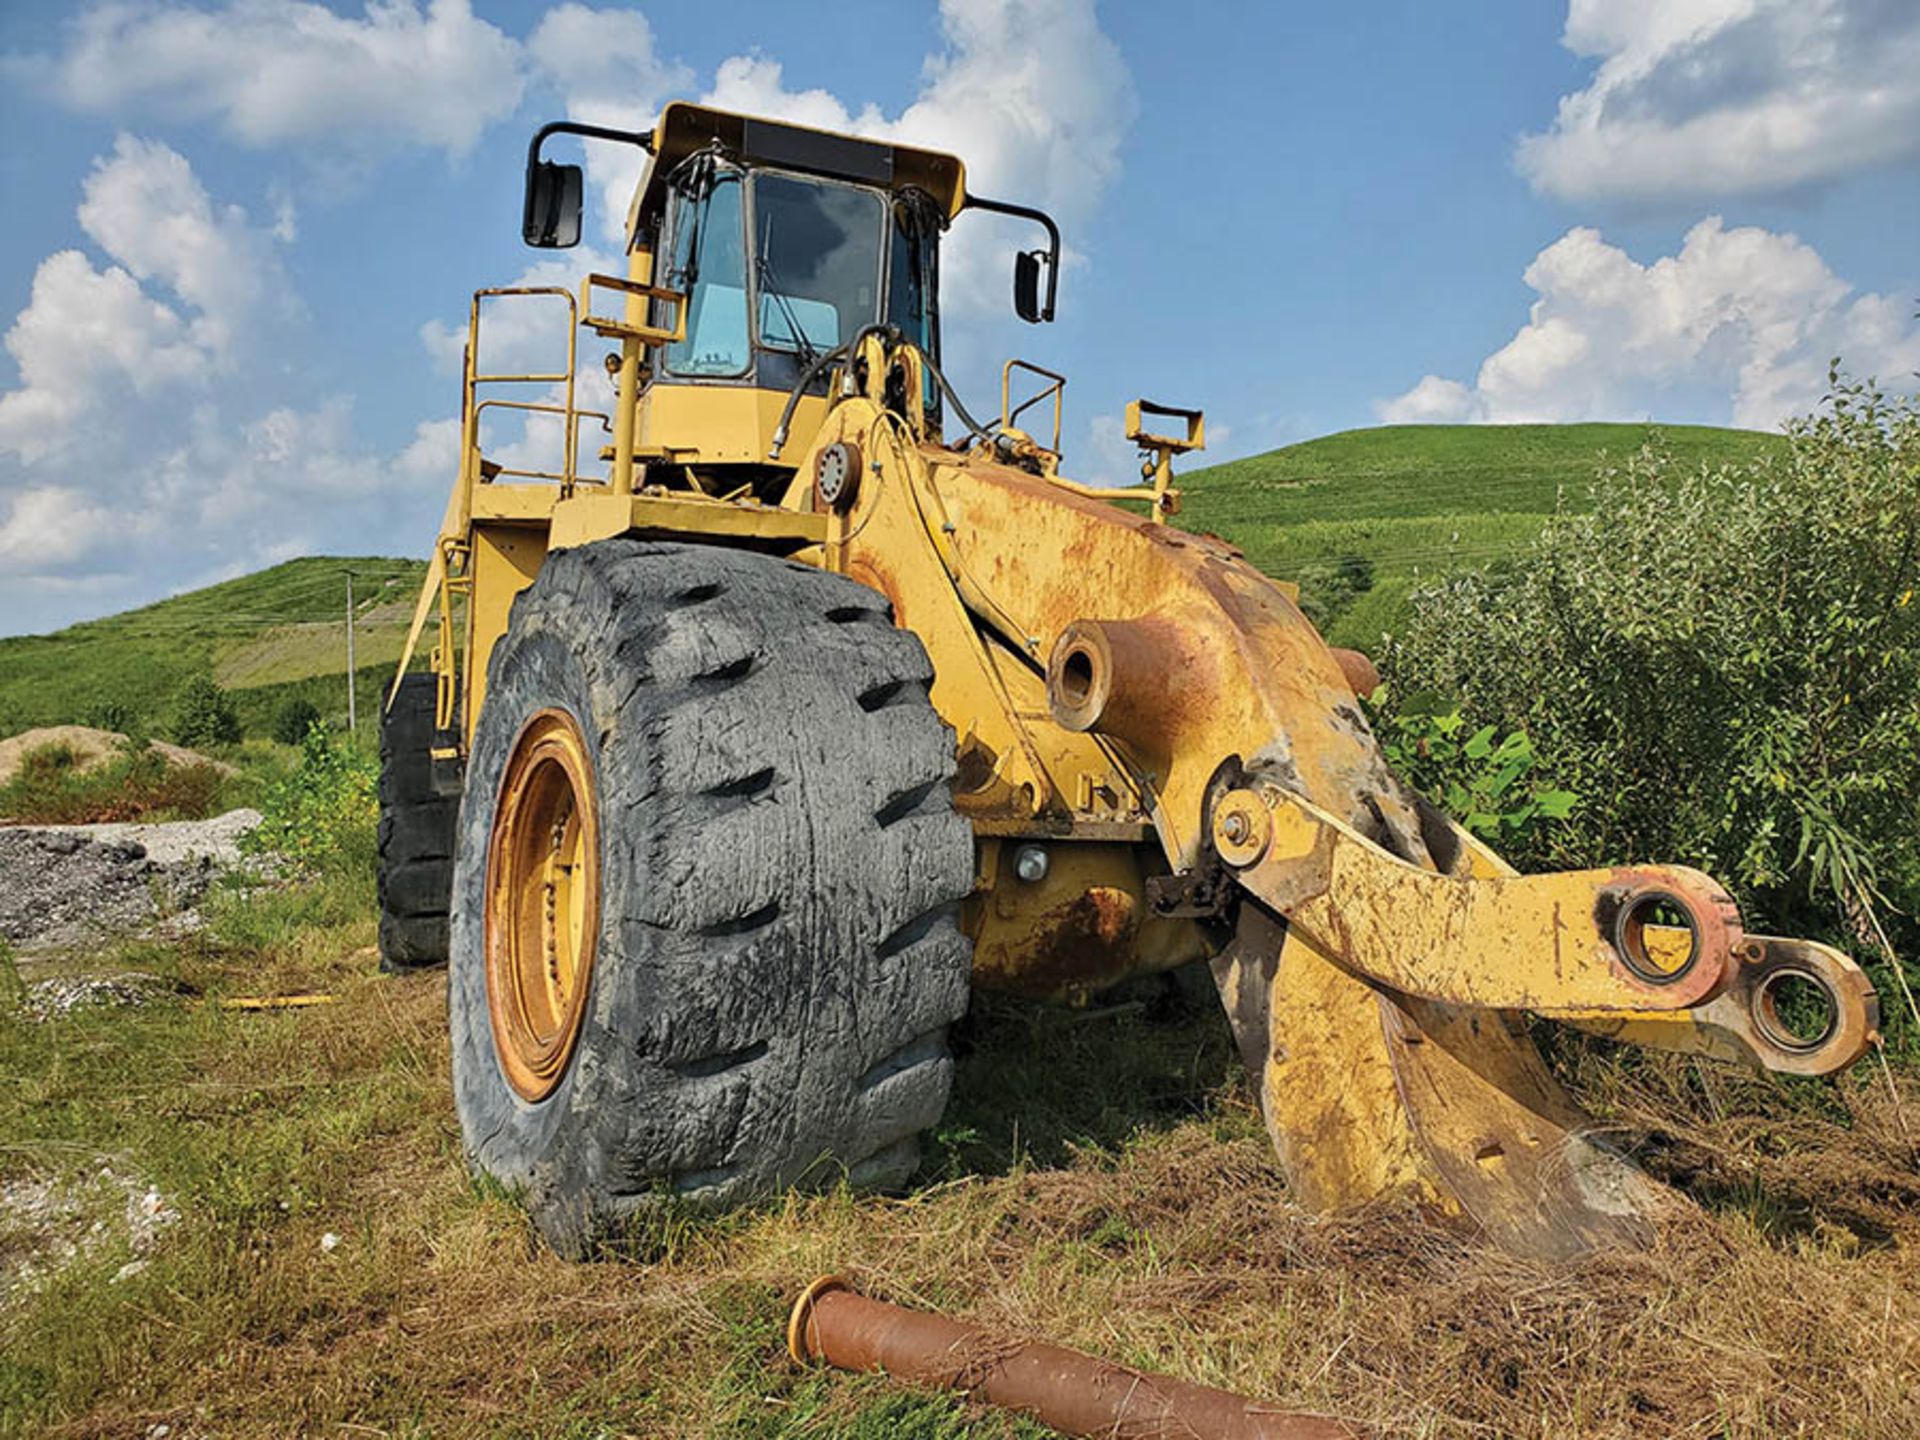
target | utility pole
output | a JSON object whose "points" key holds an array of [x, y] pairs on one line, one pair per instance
{"points": [[351, 719]]}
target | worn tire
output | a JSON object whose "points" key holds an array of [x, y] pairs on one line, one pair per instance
{"points": [[778, 948], [416, 834]]}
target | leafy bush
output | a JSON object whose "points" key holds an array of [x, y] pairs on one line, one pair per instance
{"points": [[203, 714], [1481, 778], [325, 814], [1328, 590], [1725, 665], [295, 717], [117, 715], [137, 784]]}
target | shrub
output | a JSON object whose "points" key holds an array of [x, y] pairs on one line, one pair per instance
{"points": [[203, 714], [295, 717], [1725, 665], [137, 784], [1329, 589], [1483, 779], [323, 815], [117, 715]]}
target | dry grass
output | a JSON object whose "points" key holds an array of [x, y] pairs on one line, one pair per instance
{"points": [[1131, 1209]]}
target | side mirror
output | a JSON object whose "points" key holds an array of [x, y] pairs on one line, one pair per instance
{"points": [[551, 220], [1026, 286]]}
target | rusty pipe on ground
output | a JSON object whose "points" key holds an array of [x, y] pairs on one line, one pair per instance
{"points": [[1073, 1393]]}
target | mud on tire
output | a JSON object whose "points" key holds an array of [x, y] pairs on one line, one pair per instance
{"points": [[778, 948]]}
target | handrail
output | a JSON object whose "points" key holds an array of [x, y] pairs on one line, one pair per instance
{"points": [[1057, 389], [572, 438], [473, 474]]}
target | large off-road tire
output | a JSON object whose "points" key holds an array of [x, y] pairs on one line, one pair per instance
{"points": [[416, 834], [709, 802]]}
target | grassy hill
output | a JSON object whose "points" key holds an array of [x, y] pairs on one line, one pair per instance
{"points": [[1413, 500], [266, 636]]}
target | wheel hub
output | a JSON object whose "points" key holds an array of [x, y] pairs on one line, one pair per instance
{"points": [[543, 903]]}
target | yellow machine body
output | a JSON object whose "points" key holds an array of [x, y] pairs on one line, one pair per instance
{"points": [[1159, 719]]}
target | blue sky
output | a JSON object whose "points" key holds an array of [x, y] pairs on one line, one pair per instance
{"points": [[242, 232]]}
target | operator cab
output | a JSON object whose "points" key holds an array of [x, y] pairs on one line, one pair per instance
{"points": [[786, 243], [779, 267]]}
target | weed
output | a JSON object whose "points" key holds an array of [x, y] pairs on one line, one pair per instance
{"points": [[52, 788], [324, 814]]}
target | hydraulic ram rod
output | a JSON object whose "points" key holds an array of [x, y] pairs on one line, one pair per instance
{"points": [[1073, 1393]]}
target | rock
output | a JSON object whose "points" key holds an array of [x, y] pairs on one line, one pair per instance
{"points": [[91, 748], [62, 886], [49, 1223], [62, 995]]}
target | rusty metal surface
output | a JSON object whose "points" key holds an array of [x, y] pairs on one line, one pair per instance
{"points": [[1078, 931], [1445, 1107], [1186, 661], [1744, 1022], [1362, 674], [1072, 1393], [1546, 943]]}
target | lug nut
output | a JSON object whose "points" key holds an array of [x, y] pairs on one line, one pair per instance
{"points": [[1030, 863], [1235, 828]]}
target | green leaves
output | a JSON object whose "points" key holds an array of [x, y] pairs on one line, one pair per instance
{"points": [[203, 714], [325, 813], [1485, 781]]}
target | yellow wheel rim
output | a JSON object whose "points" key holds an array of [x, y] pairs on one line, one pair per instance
{"points": [[543, 903]]}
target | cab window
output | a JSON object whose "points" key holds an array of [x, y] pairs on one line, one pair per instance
{"points": [[709, 267]]}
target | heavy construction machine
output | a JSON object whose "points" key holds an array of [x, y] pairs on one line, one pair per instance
{"points": [[819, 700]]}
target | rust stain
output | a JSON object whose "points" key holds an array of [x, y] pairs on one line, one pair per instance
{"points": [[1068, 949]]}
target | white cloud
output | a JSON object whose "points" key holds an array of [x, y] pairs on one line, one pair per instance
{"points": [[147, 209], [114, 358], [524, 334], [1741, 323], [116, 348], [51, 526], [81, 329], [1434, 401], [604, 62], [1031, 94], [90, 334], [290, 72], [434, 453], [1719, 97]]}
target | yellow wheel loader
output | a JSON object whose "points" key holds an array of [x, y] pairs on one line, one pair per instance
{"points": [[816, 700]]}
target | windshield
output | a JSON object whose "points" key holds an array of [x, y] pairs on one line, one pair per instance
{"points": [[816, 261]]}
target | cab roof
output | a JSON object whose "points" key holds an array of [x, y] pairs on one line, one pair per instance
{"points": [[686, 129]]}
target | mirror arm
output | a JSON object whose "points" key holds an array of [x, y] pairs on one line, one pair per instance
{"points": [[641, 138], [1039, 217]]}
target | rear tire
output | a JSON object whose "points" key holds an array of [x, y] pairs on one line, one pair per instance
{"points": [[416, 834], [776, 950]]}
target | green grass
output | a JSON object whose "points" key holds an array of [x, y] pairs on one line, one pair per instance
{"points": [[1399, 471], [284, 625], [1421, 499], [51, 788], [1102, 1180]]}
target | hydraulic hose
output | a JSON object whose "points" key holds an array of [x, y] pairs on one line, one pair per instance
{"points": [[847, 351], [812, 373]]}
